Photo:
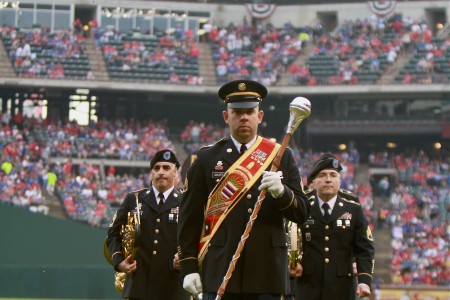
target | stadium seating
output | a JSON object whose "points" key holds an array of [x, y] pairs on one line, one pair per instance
{"points": [[43, 54], [435, 57], [419, 215], [262, 54], [134, 57]]}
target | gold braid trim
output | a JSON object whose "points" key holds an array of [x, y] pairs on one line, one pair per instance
{"points": [[366, 274], [118, 252], [350, 201], [290, 203], [195, 258]]}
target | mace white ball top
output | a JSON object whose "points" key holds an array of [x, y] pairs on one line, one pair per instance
{"points": [[302, 104]]}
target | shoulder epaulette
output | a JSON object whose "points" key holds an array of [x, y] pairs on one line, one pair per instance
{"points": [[311, 196], [210, 145], [347, 192], [348, 195], [140, 190], [205, 146], [350, 201]]}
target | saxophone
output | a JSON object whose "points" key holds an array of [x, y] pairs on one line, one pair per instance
{"points": [[129, 232]]}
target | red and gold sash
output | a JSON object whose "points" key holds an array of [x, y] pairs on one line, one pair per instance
{"points": [[233, 185]]}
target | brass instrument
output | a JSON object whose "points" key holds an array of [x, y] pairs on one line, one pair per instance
{"points": [[129, 233], [294, 236]]}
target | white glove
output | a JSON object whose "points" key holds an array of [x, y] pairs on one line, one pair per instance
{"points": [[272, 182], [193, 284]]}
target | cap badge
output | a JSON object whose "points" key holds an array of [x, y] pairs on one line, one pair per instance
{"points": [[335, 163], [166, 155], [242, 87]]}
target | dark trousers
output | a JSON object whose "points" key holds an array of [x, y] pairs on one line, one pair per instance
{"points": [[233, 296]]}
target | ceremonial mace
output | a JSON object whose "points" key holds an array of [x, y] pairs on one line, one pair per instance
{"points": [[300, 109]]}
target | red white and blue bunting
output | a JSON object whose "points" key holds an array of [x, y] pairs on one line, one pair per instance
{"points": [[382, 8], [261, 11]]}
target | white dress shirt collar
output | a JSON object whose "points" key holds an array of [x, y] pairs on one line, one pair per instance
{"points": [[238, 145], [330, 202], [166, 193]]}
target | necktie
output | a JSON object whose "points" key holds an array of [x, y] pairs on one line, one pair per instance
{"points": [[243, 149], [161, 200], [326, 207]]}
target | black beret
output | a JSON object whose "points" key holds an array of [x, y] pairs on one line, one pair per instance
{"points": [[326, 161], [242, 93], [164, 155]]}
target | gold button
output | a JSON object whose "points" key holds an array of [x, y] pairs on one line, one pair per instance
{"points": [[327, 260], [349, 275], [155, 242], [158, 220], [154, 252], [327, 238], [156, 230], [217, 180], [307, 226], [327, 227], [250, 210], [209, 245], [249, 196], [327, 249]]}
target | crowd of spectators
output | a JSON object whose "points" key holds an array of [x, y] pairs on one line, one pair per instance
{"points": [[431, 59], [27, 171], [118, 139], [258, 52], [355, 52], [418, 215], [42, 53], [24, 174], [168, 54], [417, 212], [92, 193], [196, 135], [361, 51]]}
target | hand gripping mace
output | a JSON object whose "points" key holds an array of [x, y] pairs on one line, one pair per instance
{"points": [[300, 109]]}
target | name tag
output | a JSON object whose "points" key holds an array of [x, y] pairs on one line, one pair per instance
{"points": [[217, 174]]}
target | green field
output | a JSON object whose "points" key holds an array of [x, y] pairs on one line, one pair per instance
{"points": [[48, 258]]}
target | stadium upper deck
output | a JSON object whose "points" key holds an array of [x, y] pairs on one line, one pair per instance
{"points": [[367, 109]]}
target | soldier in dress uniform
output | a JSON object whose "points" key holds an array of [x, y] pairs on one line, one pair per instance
{"points": [[224, 171], [297, 271], [153, 274], [336, 234]]}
